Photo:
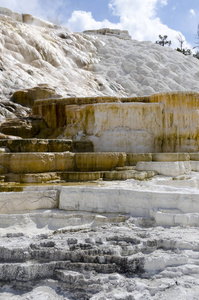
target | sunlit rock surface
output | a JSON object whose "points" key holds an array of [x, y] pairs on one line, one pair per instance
{"points": [[166, 122], [167, 168], [37, 162], [28, 96], [135, 239], [10, 110], [30, 200], [135, 198], [84, 255], [104, 62]]}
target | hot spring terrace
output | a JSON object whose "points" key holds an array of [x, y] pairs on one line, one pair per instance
{"points": [[166, 122], [46, 180], [44, 160], [152, 142]]}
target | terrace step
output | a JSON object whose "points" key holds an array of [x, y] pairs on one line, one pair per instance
{"points": [[59, 177], [66, 166], [68, 276], [167, 168], [97, 267], [50, 177], [44, 145], [129, 174], [80, 176], [125, 168], [174, 217], [42, 162]]}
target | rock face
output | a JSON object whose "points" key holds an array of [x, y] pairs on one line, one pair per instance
{"points": [[165, 122], [138, 203], [10, 110], [27, 97], [37, 162], [28, 200], [180, 121], [37, 145], [25, 127], [31, 162], [122, 34]]}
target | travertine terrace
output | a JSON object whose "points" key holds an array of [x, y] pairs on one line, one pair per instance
{"points": [[99, 162], [166, 122]]}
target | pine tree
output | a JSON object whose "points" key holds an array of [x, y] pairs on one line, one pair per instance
{"points": [[163, 40]]}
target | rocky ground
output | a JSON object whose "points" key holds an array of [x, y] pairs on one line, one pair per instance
{"points": [[60, 254], [132, 259]]}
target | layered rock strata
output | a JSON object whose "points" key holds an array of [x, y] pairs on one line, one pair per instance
{"points": [[136, 202], [165, 122], [32, 162], [121, 258], [67, 166], [45, 145], [28, 96], [139, 199], [38, 167]]}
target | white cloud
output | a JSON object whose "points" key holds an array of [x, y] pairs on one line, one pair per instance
{"points": [[21, 6], [131, 9], [164, 2], [137, 16], [192, 12], [37, 8], [82, 20]]}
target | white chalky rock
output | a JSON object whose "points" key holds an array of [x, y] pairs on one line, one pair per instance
{"points": [[165, 168], [87, 64], [138, 203], [195, 166], [174, 217], [11, 202]]}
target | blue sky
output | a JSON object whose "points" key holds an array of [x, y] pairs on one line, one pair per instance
{"points": [[144, 19]]}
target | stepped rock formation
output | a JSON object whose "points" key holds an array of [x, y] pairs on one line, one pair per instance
{"points": [[166, 122], [99, 182]]}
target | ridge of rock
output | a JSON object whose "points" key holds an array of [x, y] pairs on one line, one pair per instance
{"points": [[123, 34]]}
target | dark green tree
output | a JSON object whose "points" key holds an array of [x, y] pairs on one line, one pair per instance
{"points": [[184, 51], [163, 40], [181, 40], [196, 55]]}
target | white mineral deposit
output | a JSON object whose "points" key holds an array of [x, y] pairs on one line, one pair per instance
{"points": [[99, 190], [91, 64]]}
